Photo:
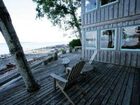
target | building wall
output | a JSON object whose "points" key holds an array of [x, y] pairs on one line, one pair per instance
{"points": [[116, 15]]}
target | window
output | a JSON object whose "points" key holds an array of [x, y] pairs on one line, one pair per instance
{"points": [[90, 5], [91, 40], [130, 38], [107, 39], [104, 2]]}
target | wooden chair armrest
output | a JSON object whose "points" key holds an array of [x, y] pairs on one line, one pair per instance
{"points": [[68, 68], [57, 77]]}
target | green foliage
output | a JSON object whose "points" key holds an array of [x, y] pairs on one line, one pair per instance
{"points": [[75, 42], [60, 12]]}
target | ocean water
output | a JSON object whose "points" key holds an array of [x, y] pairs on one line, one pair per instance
{"points": [[28, 46]]}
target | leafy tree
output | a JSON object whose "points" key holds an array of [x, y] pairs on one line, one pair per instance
{"points": [[61, 12], [75, 42]]}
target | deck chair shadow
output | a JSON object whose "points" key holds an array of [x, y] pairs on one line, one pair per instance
{"points": [[65, 83]]}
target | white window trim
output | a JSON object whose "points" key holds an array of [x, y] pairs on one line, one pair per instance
{"points": [[108, 3], [115, 40], [91, 48], [121, 40]]}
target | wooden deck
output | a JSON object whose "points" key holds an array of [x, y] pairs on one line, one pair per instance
{"points": [[107, 85]]}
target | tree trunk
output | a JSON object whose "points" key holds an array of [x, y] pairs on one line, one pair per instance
{"points": [[76, 20], [8, 31]]}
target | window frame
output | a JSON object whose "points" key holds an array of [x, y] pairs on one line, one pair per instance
{"points": [[108, 3], [115, 39], [91, 9], [133, 50], [90, 47]]}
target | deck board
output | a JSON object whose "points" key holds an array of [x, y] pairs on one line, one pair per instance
{"points": [[100, 85], [116, 91], [136, 92], [127, 96], [108, 84], [108, 88]]}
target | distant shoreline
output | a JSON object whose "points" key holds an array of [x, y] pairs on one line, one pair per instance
{"points": [[28, 46], [31, 55]]}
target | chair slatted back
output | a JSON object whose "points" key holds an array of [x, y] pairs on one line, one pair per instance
{"points": [[74, 74], [93, 57]]}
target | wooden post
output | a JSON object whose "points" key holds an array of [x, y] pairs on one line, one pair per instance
{"points": [[55, 56], [8, 32]]}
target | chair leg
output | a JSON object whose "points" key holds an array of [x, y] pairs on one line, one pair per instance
{"points": [[65, 94], [54, 84]]}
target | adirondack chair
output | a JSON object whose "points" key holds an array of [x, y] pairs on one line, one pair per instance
{"points": [[93, 57], [88, 66], [64, 84]]}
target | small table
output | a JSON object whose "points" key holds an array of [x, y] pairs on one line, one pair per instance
{"points": [[65, 62]]}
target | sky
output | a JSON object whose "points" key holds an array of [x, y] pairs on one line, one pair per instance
{"points": [[30, 29]]}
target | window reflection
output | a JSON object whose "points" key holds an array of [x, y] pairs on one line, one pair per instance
{"points": [[131, 37], [90, 5], [91, 39], [107, 39]]}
